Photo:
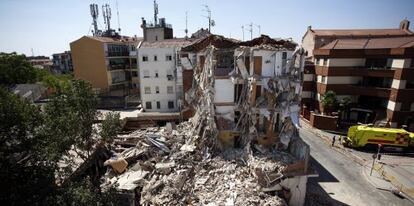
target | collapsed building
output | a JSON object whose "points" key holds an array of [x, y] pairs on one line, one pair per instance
{"points": [[241, 147]]}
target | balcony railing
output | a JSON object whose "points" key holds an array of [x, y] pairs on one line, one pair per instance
{"points": [[118, 66], [118, 54]]}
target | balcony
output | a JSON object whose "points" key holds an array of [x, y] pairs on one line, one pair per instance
{"points": [[371, 91], [118, 54], [113, 67], [355, 71], [347, 89]]}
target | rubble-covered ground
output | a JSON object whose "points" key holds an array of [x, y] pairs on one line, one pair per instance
{"points": [[172, 167]]}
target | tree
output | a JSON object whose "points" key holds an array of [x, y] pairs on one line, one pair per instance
{"points": [[329, 102], [15, 69], [32, 143]]}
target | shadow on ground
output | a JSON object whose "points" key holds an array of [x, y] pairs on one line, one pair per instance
{"points": [[315, 194]]}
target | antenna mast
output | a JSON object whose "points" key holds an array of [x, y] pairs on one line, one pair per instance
{"points": [[210, 21], [94, 14], [106, 11], [155, 13], [117, 14], [186, 24], [243, 32]]}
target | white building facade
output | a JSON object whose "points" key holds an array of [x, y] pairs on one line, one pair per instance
{"points": [[161, 75]]}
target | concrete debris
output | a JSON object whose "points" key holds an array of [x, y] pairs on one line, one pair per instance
{"points": [[242, 150]]}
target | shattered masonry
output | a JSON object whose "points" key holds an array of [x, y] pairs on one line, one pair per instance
{"points": [[240, 147]]}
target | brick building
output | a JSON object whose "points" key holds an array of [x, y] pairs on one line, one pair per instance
{"points": [[372, 68]]}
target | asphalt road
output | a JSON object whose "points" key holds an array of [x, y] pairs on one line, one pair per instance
{"points": [[341, 180]]}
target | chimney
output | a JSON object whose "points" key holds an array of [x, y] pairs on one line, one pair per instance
{"points": [[309, 27], [404, 24]]}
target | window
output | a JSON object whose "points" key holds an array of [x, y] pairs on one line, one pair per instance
{"points": [[134, 74], [158, 105], [157, 90], [168, 58], [155, 58], [170, 105], [169, 90], [323, 79], [146, 74], [317, 62], [412, 63], [148, 105], [325, 62], [156, 38], [170, 77], [144, 58], [284, 55], [147, 90], [156, 74]]}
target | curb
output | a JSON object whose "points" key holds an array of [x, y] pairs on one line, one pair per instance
{"points": [[409, 193]]}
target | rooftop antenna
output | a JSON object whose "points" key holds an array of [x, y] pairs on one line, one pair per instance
{"points": [[117, 14], [243, 32], [250, 30], [94, 14], [106, 12], [186, 24], [259, 27], [210, 21], [155, 13]]}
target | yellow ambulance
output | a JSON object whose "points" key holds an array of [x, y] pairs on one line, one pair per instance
{"points": [[361, 135]]}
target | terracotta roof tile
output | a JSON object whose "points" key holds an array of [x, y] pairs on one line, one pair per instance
{"points": [[361, 32], [372, 43]]}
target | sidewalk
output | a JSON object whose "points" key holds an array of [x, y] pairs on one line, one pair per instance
{"points": [[399, 171]]}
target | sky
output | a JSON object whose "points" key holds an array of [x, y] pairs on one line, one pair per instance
{"points": [[48, 26]]}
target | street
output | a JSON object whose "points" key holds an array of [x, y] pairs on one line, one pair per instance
{"points": [[341, 180]]}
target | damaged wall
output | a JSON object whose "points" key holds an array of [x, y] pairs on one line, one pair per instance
{"points": [[241, 147]]}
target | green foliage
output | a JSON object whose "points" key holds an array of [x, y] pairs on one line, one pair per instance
{"points": [[329, 101], [344, 103], [32, 143], [110, 127], [53, 81], [15, 69]]}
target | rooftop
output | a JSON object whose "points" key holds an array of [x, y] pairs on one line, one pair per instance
{"points": [[361, 32], [115, 39], [167, 43], [372, 43]]}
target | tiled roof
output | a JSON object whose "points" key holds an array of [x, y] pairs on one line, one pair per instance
{"points": [[361, 32], [167, 43], [371, 43]]}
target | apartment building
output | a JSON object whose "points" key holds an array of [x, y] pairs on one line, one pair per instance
{"points": [[62, 62], [161, 74], [238, 64], [108, 63], [376, 74], [371, 70]]}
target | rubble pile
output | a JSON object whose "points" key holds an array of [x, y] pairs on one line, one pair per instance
{"points": [[243, 151], [171, 167]]}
